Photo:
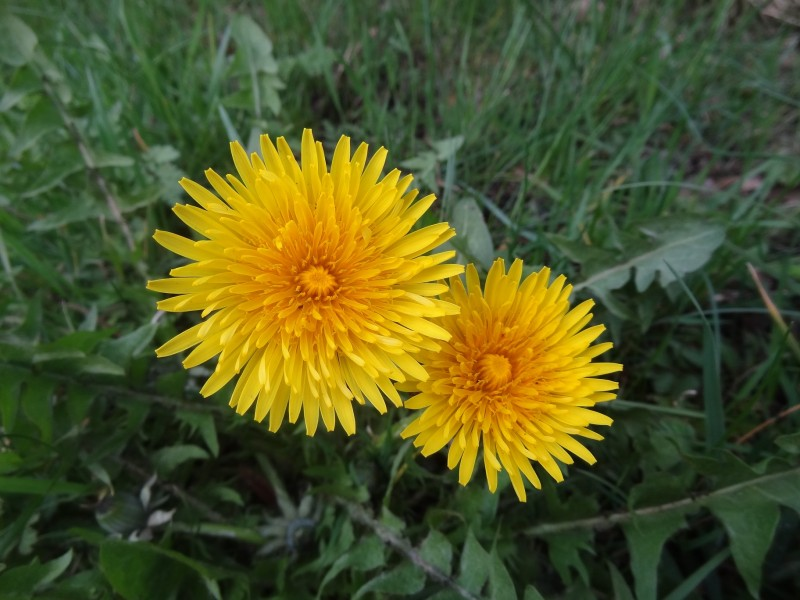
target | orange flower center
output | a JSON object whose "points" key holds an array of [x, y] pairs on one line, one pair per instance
{"points": [[494, 370], [318, 282]]}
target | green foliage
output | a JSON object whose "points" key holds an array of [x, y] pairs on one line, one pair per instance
{"points": [[474, 238], [646, 540], [28, 580], [647, 152]]}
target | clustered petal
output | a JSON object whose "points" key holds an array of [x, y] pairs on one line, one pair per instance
{"points": [[515, 378], [312, 288]]}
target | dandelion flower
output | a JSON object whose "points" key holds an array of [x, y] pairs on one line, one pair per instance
{"points": [[312, 288], [516, 378]]}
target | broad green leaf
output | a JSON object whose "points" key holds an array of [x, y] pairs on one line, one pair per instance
{"points": [[437, 550], [564, 550], [689, 584], [84, 341], [724, 468], [79, 210], [18, 533], [315, 61], [660, 488], [680, 248], [789, 442], [172, 383], [99, 366], [259, 70], [21, 84], [282, 497], [21, 582], [403, 580], [712, 390], [37, 403], [121, 513], [167, 459], [474, 567], [9, 398], [674, 249], [339, 542], [270, 86], [477, 504], [446, 594], [79, 400], [121, 350], [47, 272], [17, 40], [784, 490], [143, 571], [423, 167], [366, 555], [391, 520], [49, 356], [83, 585], [41, 120], [40, 487], [50, 177], [89, 322], [646, 538], [230, 128], [621, 589], [224, 493], [578, 251], [447, 147], [106, 160], [254, 43], [101, 474], [501, 586], [531, 593], [10, 461], [750, 520], [204, 423], [472, 233], [161, 154]]}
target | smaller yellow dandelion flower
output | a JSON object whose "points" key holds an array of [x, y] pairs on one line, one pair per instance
{"points": [[516, 377]]}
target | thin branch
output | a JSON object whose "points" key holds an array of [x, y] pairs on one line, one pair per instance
{"points": [[401, 545], [91, 165], [608, 521], [767, 423]]}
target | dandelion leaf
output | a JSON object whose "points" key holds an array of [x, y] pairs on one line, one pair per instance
{"points": [[750, 519], [646, 538], [671, 249]]}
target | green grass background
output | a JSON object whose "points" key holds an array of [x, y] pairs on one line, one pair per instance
{"points": [[649, 151]]}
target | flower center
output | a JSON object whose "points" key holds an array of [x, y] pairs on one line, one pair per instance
{"points": [[318, 282], [494, 370]]}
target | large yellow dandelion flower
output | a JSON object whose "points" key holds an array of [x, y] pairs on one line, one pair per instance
{"points": [[312, 289], [516, 378]]}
